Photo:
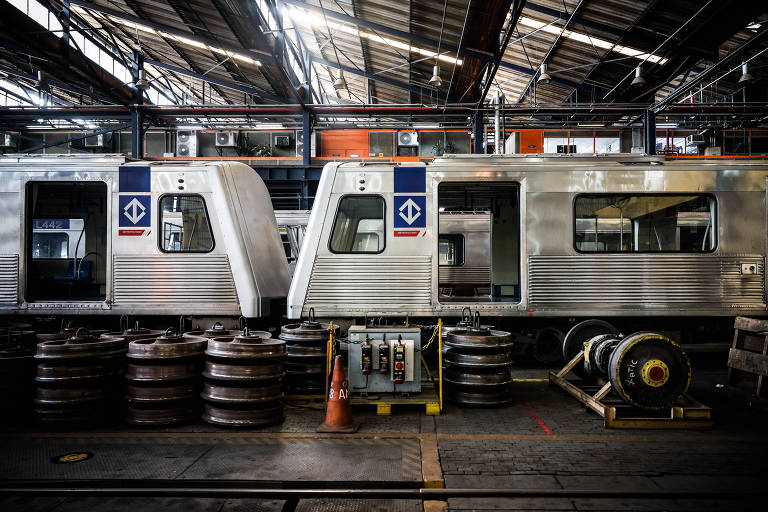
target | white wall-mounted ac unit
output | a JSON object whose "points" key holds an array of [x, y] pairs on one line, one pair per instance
{"points": [[692, 140], [407, 138], [282, 141], [97, 141], [7, 141], [186, 143], [226, 139]]}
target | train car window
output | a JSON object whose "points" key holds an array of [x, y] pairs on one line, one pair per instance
{"points": [[184, 224], [451, 250], [645, 223], [50, 245], [359, 225]]}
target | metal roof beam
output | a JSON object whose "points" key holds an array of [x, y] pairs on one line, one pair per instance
{"points": [[70, 88], [576, 19], [383, 29], [223, 83], [395, 83], [698, 79], [254, 54]]}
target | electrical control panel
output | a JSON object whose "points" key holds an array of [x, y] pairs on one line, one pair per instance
{"points": [[384, 359]]}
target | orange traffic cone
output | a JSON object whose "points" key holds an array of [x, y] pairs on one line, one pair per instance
{"points": [[338, 416]]}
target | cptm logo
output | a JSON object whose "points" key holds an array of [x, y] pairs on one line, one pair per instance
{"points": [[410, 212]]}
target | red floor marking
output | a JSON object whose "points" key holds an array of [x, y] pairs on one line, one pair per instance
{"points": [[541, 423]]}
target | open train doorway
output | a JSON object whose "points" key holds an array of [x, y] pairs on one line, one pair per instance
{"points": [[479, 242], [66, 234]]}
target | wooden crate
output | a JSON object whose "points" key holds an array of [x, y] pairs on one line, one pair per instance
{"points": [[687, 413], [748, 357]]}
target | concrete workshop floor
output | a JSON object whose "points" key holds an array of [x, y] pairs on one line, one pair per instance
{"points": [[544, 440]]}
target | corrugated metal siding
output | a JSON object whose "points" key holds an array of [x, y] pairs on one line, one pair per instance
{"points": [[384, 282], [174, 279], [643, 281], [460, 275], [9, 279]]}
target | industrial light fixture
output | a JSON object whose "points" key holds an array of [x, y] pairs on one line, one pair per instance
{"points": [[746, 77], [544, 77], [141, 82], [638, 81], [436, 80], [340, 83]]}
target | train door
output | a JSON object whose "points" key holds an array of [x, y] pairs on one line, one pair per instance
{"points": [[66, 241], [479, 242]]}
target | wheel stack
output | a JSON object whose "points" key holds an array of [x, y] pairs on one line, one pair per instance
{"points": [[79, 379], [244, 380], [217, 330], [17, 371], [478, 362], [135, 333], [306, 354], [164, 377]]}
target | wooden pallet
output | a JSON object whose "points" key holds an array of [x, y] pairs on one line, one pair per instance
{"points": [[748, 357], [687, 413]]}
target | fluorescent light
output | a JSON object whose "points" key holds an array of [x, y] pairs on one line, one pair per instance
{"points": [[318, 21], [181, 39], [426, 126], [270, 126], [591, 125], [666, 125], [593, 41]]}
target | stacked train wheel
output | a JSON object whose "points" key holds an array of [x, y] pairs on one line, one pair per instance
{"points": [[79, 379], [243, 380], [478, 362], [130, 334], [17, 371], [306, 353], [217, 330], [164, 376]]}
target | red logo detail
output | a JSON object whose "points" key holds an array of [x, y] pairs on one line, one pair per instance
{"points": [[130, 232], [407, 232]]}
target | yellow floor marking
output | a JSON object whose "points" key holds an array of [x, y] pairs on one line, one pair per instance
{"points": [[530, 380], [431, 471]]}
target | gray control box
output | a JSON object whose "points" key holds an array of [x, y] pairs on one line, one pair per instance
{"points": [[376, 382]]}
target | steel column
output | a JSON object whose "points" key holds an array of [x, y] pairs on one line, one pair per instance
{"points": [[478, 131], [306, 137], [649, 126]]}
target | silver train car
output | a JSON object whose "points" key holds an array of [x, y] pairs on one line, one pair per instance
{"points": [[568, 236], [97, 235]]}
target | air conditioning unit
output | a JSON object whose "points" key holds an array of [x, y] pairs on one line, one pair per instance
{"points": [[695, 140], [186, 143], [713, 151], [282, 141], [7, 141], [226, 139], [407, 139], [97, 141]]}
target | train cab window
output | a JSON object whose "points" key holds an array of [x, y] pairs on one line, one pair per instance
{"points": [[359, 225], [451, 250], [66, 248], [645, 223], [184, 224]]}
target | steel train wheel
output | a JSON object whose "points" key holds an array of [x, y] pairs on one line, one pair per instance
{"points": [[255, 416], [580, 334], [649, 370]]}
